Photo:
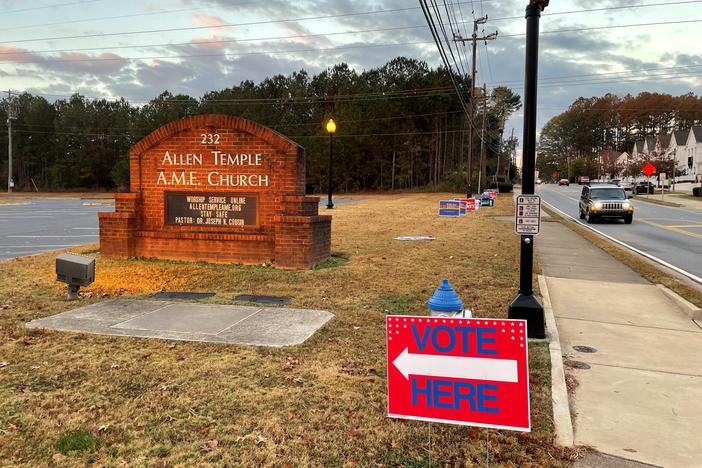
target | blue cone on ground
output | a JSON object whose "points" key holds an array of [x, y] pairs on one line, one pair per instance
{"points": [[445, 299]]}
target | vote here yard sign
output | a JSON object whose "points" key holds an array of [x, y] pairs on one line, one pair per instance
{"points": [[459, 371]]}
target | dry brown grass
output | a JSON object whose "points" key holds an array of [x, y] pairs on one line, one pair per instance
{"points": [[158, 403]]}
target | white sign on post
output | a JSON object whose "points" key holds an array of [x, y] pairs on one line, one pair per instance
{"points": [[528, 215]]}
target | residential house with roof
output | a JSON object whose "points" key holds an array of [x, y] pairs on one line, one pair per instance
{"points": [[649, 148], [676, 148], [693, 150], [637, 150], [662, 144]]}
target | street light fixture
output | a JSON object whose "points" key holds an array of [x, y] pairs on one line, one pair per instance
{"points": [[331, 129]]}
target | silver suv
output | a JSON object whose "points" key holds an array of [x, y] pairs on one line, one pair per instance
{"points": [[605, 201]]}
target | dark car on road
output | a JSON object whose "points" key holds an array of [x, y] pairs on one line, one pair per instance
{"points": [[564, 182], [605, 201], [644, 187]]}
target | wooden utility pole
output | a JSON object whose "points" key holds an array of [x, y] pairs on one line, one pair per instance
{"points": [[471, 110], [483, 159], [11, 115]]}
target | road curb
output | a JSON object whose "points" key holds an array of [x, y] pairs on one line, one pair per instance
{"points": [[562, 420], [690, 309]]}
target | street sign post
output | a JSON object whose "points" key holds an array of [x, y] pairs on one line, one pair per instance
{"points": [[465, 371], [527, 220]]}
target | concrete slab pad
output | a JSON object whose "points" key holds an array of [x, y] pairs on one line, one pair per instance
{"points": [[190, 322], [277, 326], [193, 318], [647, 416], [623, 303]]}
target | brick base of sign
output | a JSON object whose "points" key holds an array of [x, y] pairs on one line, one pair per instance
{"points": [[219, 189], [301, 238]]}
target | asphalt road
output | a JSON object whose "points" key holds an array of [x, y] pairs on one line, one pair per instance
{"points": [[673, 235], [40, 225]]}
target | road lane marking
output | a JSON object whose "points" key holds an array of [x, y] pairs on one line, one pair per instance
{"points": [[33, 246], [60, 237], [687, 274], [671, 228]]}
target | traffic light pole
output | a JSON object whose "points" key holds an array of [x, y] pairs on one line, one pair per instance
{"points": [[525, 305]]}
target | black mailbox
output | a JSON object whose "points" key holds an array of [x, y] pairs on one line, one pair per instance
{"points": [[76, 271]]}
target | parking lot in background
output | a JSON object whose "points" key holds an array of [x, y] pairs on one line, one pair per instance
{"points": [[30, 226]]}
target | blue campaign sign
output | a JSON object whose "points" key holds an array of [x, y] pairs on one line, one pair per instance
{"points": [[464, 206], [451, 208]]}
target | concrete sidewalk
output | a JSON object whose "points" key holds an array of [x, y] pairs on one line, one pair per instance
{"points": [[639, 385]]}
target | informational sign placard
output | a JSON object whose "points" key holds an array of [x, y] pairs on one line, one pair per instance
{"points": [[211, 209], [465, 371], [528, 215], [451, 208]]}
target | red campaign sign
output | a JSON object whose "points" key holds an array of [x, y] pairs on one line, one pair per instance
{"points": [[473, 372], [648, 169], [470, 203]]}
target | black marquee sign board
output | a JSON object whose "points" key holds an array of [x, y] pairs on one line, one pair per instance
{"points": [[211, 209]]}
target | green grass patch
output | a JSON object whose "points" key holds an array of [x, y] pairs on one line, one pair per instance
{"points": [[337, 259], [78, 440]]}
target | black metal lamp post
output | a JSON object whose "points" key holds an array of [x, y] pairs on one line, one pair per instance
{"points": [[525, 305], [331, 128]]}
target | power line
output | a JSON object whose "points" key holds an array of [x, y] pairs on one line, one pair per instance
{"points": [[568, 80], [442, 52], [661, 23], [592, 10], [339, 121], [395, 10], [225, 25], [337, 135], [104, 18], [209, 42], [55, 5], [222, 55], [224, 41]]}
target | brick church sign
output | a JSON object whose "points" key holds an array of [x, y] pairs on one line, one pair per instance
{"points": [[219, 189]]}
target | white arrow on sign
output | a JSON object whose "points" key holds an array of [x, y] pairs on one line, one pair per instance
{"points": [[457, 367]]}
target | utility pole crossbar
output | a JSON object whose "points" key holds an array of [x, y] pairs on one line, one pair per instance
{"points": [[471, 111]]}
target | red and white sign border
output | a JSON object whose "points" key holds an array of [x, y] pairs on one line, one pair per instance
{"points": [[451, 421]]}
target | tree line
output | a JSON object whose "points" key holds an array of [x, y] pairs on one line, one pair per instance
{"points": [[399, 126], [572, 142]]}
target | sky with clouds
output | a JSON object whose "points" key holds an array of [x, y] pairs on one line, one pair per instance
{"points": [[139, 48]]}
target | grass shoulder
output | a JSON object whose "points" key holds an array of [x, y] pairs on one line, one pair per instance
{"points": [[104, 400]]}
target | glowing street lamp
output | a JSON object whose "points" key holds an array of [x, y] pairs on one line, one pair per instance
{"points": [[331, 129]]}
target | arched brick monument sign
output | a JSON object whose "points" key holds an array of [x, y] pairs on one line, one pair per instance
{"points": [[219, 189]]}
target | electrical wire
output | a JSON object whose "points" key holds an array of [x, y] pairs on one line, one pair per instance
{"points": [[55, 5]]}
